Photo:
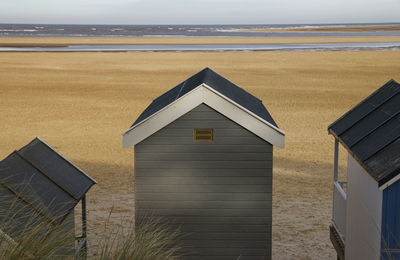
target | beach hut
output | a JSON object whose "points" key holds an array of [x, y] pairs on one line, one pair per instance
{"points": [[203, 162], [39, 190], [366, 206]]}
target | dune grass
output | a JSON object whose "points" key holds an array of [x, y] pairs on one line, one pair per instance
{"points": [[29, 234], [32, 238], [30, 230], [149, 240]]}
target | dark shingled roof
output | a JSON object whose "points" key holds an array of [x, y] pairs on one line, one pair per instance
{"points": [[371, 132], [219, 84], [42, 180]]}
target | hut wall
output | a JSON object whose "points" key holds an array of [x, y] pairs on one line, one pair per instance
{"points": [[390, 244], [219, 193], [363, 220]]}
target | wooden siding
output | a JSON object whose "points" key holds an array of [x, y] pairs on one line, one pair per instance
{"points": [[218, 193]]}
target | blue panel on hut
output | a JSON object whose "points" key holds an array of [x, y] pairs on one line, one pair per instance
{"points": [[390, 245]]}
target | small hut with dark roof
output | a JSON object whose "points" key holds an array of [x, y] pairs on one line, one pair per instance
{"points": [[366, 206], [203, 162], [39, 187]]}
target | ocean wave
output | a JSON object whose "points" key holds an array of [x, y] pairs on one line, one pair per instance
{"points": [[37, 30], [21, 30], [228, 30], [164, 35]]}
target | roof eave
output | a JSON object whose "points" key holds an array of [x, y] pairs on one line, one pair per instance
{"points": [[279, 143], [389, 178], [383, 182]]}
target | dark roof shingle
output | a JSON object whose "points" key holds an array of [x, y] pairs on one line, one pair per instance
{"points": [[371, 130], [219, 84], [43, 179]]}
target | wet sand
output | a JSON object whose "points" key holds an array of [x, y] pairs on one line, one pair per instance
{"points": [[80, 103], [65, 41]]}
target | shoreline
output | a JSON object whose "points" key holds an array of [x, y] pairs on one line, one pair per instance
{"points": [[330, 28], [204, 47], [69, 41]]}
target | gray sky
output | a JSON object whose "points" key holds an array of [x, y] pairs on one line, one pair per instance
{"points": [[198, 11]]}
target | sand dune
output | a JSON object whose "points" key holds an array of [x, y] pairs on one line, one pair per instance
{"points": [[81, 103]]}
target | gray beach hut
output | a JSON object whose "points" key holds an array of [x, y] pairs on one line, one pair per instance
{"points": [[203, 162], [39, 190]]}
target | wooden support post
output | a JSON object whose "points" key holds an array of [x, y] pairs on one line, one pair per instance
{"points": [[335, 161], [335, 171], [84, 228]]}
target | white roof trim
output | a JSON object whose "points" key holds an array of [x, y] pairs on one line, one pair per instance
{"points": [[248, 111], [387, 184], [217, 101]]}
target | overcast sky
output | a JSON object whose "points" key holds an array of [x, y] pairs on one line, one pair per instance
{"points": [[198, 11]]}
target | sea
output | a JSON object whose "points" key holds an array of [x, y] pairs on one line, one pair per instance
{"points": [[80, 30], [240, 30]]}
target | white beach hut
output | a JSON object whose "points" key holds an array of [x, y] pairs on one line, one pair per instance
{"points": [[366, 206]]}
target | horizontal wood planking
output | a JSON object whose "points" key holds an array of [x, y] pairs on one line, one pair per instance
{"points": [[204, 204], [232, 188], [201, 196], [191, 124], [176, 132], [193, 180], [230, 257], [212, 220], [202, 173], [218, 228], [203, 115], [202, 147], [204, 212], [218, 193], [177, 164], [228, 243], [229, 236], [189, 140], [168, 156], [227, 251]]}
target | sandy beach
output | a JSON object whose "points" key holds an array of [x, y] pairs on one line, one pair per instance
{"points": [[80, 103]]}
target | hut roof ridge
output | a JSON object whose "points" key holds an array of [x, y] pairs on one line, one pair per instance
{"points": [[217, 83]]}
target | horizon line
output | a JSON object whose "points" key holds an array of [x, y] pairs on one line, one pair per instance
{"points": [[191, 24]]}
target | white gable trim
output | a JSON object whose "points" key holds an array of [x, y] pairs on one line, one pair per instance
{"points": [[220, 103], [248, 111]]}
